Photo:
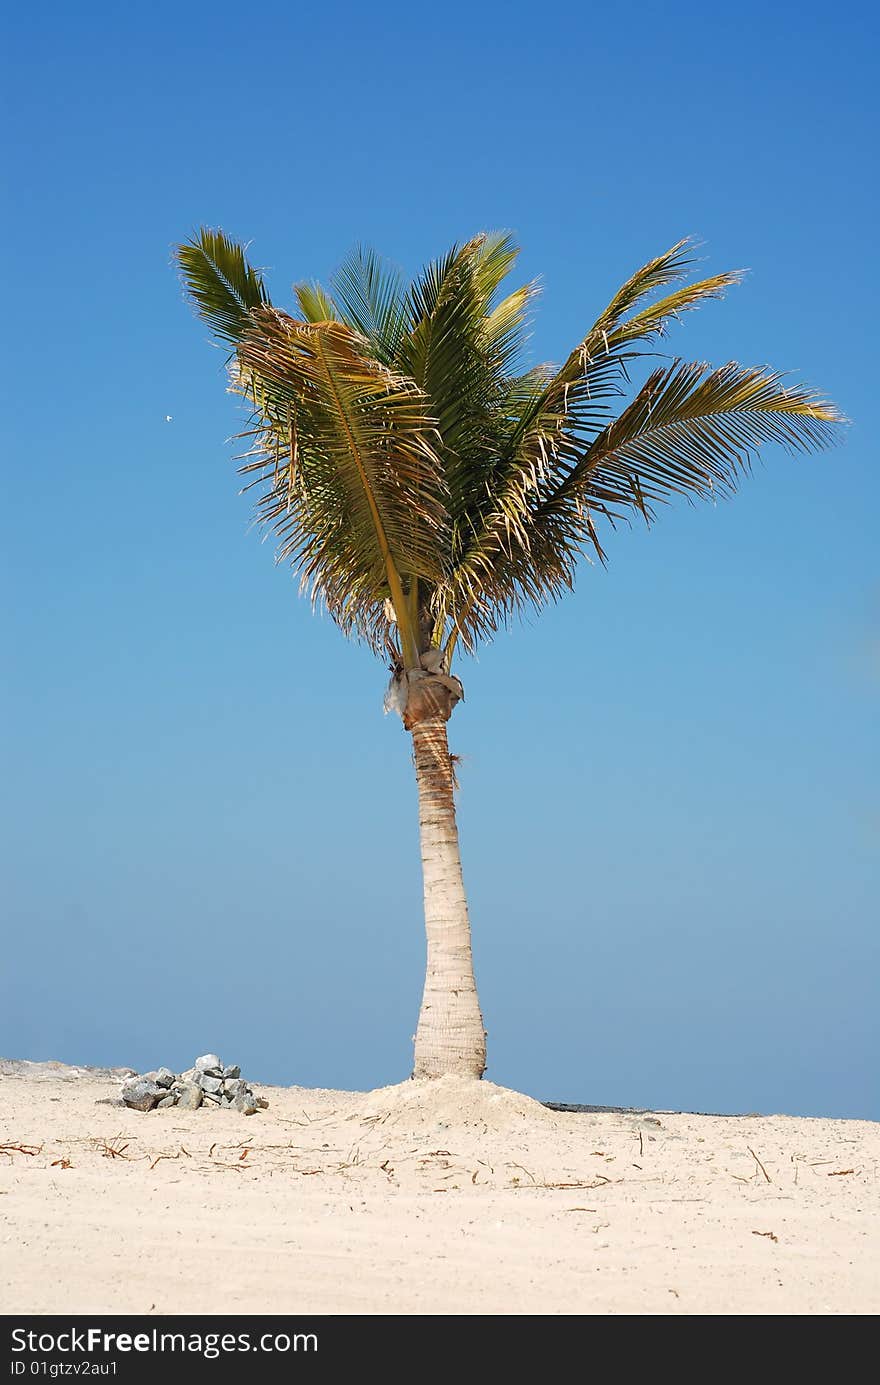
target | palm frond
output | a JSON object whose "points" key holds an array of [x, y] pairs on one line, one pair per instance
{"points": [[650, 323], [440, 349], [695, 431], [353, 488], [315, 303], [494, 255], [690, 431], [221, 282], [371, 298], [502, 330], [669, 268], [456, 321], [460, 349]]}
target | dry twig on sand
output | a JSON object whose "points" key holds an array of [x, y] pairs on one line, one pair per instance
{"points": [[160, 1157], [112, 1149], [760, 1165], [598, 1182]]}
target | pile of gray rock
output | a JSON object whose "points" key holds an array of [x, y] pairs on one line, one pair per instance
{"points": [[208, 1082]]}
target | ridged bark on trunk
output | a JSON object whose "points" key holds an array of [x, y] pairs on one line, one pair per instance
{"points": [[450, 1037]]}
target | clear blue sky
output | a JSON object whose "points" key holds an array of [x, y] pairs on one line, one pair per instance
{"points": [[669, 804]]}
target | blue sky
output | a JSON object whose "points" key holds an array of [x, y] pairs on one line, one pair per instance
{"points": [[669, 804]]}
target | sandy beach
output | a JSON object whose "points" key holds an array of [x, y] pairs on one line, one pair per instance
{"points": [[448, 1198]]}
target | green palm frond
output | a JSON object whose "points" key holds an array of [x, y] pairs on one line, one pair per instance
{"points": [[353, 487], [459, 337], [441, 350], [695, 431], [460, 350], [315, 303], [370, 296], [494, 256], [650, 323], [221, 283], [502, 330], [689, 431], [669, 268]]}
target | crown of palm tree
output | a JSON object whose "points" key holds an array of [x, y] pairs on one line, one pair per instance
{"points": [[421, 482]]}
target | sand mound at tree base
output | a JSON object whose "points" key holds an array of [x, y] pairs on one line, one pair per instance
{"points": [[420, 1107]]}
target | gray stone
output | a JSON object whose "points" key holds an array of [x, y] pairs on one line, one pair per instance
{"points": [[163, 1077], [209, 1063], [169, 1100], [212, 1097], [209, 1084], [190, 1097], [189, 1076], [235, 1086], [232, 1072], [245, 1104], [141, 1094]]}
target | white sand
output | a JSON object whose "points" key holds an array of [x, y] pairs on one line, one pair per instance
{"points": [[445, 1198]]}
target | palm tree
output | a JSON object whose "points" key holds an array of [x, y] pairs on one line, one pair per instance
{"points": [[426, 487]]}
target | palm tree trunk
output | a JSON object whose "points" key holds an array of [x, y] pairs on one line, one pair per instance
{"points": [[450, 1036]]}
